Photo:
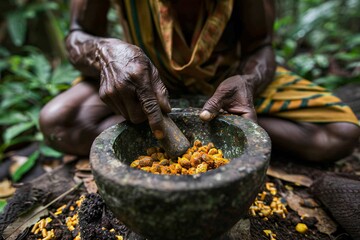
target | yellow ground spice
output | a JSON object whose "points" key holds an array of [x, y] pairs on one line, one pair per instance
{"points": [[198, 159]]}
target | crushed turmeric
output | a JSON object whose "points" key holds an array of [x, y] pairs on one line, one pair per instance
{"points": [[198, 159]]}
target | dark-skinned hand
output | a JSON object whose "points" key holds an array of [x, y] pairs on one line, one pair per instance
{"points": [[234, 95], [130, 84]]}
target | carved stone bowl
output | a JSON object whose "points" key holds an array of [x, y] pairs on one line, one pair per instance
{"points": [[202, 206]]}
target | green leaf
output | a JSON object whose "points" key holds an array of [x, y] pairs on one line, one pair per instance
{"points": [[12, 118], [353, 41], [65, 73], [33, 8], [327, 48], [21, 139], [16, 22], [17, 175], [17, 129], [315, 17], [42, 68], [3, 65], [4, 52], [49, 152], [303, 64], [348, 56], [15, 100], [2, 205], [321, 60]]}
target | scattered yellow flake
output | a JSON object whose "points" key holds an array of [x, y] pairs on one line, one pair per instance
{"points": [[301, 228], [270, 234], [61, 208]]}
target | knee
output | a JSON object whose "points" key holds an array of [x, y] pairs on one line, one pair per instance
{"points": [[53, 120], [334, 142]]}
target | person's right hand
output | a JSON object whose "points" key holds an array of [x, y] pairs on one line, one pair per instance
{"points": [[130, 84]]}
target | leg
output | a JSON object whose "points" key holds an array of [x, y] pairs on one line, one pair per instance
{"points": [[72, 120], [310, 141]]}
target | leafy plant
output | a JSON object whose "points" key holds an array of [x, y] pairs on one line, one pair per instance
{"points": [[319, 40], [29, 82]]}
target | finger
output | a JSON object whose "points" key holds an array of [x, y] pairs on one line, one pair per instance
{"points": [[131, 104], [160, 90], [151, 109], [212, 107], [106, 93], [245, 112]]}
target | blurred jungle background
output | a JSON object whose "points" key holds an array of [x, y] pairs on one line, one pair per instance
{"points": [[318, 39]]}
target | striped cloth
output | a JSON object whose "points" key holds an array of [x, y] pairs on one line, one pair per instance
{"points": [[151, 25]]}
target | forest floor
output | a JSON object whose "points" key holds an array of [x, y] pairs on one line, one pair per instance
{"points": [[58, 199], [64, 218]]}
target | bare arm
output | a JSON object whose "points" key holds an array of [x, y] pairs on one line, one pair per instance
{"points": [[236, 94], [256, 41], [88, 25], [129, 83]]}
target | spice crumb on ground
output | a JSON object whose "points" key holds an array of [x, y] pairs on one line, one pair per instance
{"points": [[64, 224]]}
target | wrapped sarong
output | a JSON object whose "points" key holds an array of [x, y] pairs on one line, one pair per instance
{"points": [[151, 25]]}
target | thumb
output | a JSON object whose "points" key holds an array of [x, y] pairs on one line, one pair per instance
{"points": [[211, 108]]}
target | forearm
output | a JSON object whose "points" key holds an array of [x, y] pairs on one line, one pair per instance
{"points": [[88, 25], [261, 65]]}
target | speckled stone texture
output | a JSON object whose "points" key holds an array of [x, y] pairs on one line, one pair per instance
{"points": [[202, 206]]}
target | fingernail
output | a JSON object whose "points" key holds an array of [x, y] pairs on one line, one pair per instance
{"points": [[206, 115], [158, 134]]}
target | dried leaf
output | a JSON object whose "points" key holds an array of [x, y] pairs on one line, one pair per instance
{"points": [[6, 189], [24, 221], [69, 158], [90, 185], [30, 218], [83, 165], [325, 224], [293, 178], [83, 175], [16, 162]]}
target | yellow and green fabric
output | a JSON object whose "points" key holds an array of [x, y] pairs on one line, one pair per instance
{"points": [[151, 25]]}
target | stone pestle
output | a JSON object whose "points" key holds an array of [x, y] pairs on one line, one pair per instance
{"points": [[174, 142]]}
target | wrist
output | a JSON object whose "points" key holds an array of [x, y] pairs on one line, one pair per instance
{"points": [[249, 81]]}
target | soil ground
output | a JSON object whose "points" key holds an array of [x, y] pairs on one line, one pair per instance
{"points": [[95, 221]]}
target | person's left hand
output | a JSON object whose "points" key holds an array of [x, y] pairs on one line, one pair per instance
{"points": [[234, 95]]}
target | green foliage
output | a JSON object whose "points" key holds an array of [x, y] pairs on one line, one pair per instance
{"points": [[2, 205], [17, 19], [24, 168], [29, 82], [319, 40]]}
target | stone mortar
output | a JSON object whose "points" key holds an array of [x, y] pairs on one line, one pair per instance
{"points": [[202, 206]]}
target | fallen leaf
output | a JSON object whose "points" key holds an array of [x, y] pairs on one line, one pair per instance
{"points": [[25, 167], [24, 221], [83, 175], [293, 178], [83, 165], [325, 224], [6, 189], [69, 158], [31, 217], [90, 185], [16, 162], [49, 166]]}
